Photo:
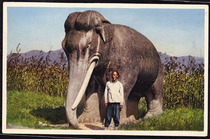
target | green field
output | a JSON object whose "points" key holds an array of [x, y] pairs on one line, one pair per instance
{"points": [[28, 109], [180, 119]]}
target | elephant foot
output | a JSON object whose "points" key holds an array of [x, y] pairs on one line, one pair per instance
{"points": [[153, 113], [88, 119], [130, 119], [91, 112], [155, 109]]}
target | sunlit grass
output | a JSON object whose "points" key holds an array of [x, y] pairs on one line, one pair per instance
{"points": [[29, 109], [180, 119]]}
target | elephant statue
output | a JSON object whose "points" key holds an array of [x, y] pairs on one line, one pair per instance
{"points": [[94, 48]]}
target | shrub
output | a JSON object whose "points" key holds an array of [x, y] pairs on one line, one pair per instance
{"points": [[182, 88], [36, 76]]}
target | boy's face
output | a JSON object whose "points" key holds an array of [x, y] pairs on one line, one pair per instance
{"points": [[114, 75]]}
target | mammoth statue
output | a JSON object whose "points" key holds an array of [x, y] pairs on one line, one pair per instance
{"points": [[94, 47]]}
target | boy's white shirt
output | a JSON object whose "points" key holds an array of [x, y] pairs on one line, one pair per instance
{"points": [[114, 92]]}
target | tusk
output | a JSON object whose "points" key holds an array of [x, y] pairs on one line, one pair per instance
{"points": [[85, 82], [96, 57]]}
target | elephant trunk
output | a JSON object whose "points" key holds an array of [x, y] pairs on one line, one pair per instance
{"points": [[80, 74]]}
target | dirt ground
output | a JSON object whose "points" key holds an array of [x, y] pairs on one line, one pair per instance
{"points": [[82, 126], [8, 126]]}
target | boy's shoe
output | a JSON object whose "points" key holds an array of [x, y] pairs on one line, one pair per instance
{"points": [[106, 128], [116, 128]]}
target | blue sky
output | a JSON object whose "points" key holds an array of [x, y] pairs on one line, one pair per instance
{"points": [[176, 32]]}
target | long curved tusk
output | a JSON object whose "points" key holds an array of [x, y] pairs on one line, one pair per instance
{"points": [[93, 63]]}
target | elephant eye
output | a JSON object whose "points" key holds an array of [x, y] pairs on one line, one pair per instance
{"points": [[85, 49]]}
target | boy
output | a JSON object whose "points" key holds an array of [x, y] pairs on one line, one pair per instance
{"points": [[114, 96]]}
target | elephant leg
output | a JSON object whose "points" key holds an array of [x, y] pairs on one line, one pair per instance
{"points": [[129, 113], [91, 112], [154, 97], [132, 110], [154, 105]]}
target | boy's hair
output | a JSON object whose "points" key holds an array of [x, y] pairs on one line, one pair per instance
{"points": [[117, 73]]}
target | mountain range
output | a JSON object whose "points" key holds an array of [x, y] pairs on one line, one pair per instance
{"points": [[59, 56]]}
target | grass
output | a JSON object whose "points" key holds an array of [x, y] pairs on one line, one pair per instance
{"points": [[29, 109], [179, 119]]}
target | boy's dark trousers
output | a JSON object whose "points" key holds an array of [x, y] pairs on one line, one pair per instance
{"points": [[113, 110]]}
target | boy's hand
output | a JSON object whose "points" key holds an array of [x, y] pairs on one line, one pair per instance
{"points": [[105, 105], [121, 107]]}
